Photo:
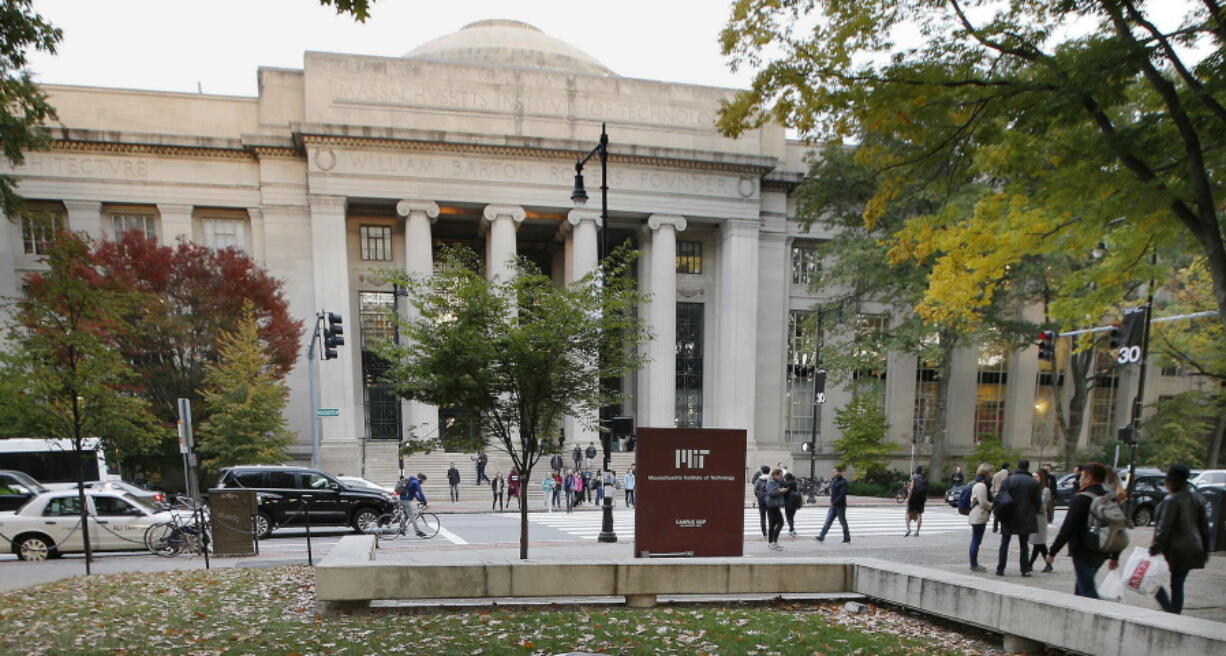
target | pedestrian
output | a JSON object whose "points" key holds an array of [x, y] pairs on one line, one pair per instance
{"points": [[791, 503], [579, 487], [453, 482], [513, 491], [547, 491], [1044, 514], [628, 485], [1016, 506], [1051, 481], [597, 482], [411, 494], [776, 493], [957, 478], [557, 487], [760, 481], [1181, 534], [586, 475], [499, 487], [591, 454], [838, 506], [998, 478], [917, 496], [568, 486], [555, 462], [981, 510], [783, 469], [1075, 532], [577, 454], [1113, 484], [482, 461]]}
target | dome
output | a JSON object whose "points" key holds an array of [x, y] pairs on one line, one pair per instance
{"points": [[508, 43]]}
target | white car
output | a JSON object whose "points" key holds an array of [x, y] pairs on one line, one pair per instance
{"points": [[1210, 477], [50, 524]]}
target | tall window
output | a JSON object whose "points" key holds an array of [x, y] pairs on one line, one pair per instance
{"points": [[1103, 398], [223, 233], [689, 257], [1045, 429], [38, 229], [382, 405], [870, 352], [802, 354], [376, 243], [689, 365], [806, 266], [145, 223], [990, 392]]}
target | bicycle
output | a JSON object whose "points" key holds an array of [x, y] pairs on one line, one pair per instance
{"points": [[169, 539], [396, 523]]}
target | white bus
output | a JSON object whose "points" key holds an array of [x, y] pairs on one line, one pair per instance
{"points": [[53, 461]]}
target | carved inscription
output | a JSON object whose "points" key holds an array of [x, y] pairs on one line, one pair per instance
{"points": [[84, 166]]}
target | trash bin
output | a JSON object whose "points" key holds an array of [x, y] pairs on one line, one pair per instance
{"points": [[231, 512], [1216, 502]]}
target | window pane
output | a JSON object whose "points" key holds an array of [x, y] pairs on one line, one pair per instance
{"points": [[802, 354], [223, 233], [806, 266], [282, 480], [382, 404], [121, 223], [63, 506], [689, 365], [38, 229], [114, 507], [990, 393], [376, 243], [689, 257]]}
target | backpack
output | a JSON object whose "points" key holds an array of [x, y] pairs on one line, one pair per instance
{"points": [[759, 488], [1108, 526], [400, 486], [966, 499], [920, 488], [1003, 506]]}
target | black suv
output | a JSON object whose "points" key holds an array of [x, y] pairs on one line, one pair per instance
{"points": [[281, 491]]}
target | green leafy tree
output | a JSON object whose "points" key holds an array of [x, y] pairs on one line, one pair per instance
{"points": [[247, 399], [991, 450], [359, 9], [1077, 113], [23, 105], [72, 380], [862, 445], [518, 355]]}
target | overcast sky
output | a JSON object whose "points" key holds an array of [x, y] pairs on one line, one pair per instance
{"points": [[170, 45]]}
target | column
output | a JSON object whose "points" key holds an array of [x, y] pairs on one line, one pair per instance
{"points": [[337, 378], [257, 252], [736, 355], [774, 268], [662, 370], [419, 215], [582, 226], [500, 248], [176, 222], [85, 216]]}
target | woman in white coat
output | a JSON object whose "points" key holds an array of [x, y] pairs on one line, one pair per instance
{"points": [[1045, 513], [981, 512]]}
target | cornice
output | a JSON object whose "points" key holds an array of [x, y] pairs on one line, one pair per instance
{"points": [[119, 148]]}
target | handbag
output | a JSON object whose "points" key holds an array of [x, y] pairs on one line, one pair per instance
{"points": [[1145, 573], [1112, 586]]}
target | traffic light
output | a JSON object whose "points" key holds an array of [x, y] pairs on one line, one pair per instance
{"points": [[1047, 345], [1133, 329], [332, 335], [1117, 337], [819, 386]]}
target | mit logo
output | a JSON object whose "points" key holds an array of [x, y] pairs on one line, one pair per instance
{"points": [[691, 458]]}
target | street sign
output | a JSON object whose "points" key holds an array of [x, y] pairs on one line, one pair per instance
{"points": [[328, 412]]}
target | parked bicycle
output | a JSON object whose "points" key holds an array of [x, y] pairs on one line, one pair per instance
{"points": [[181, 534], [396, 524], [814, 486]]}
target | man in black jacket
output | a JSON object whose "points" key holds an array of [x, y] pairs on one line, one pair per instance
{"points": [[838, 506], [555, 462], [1073, 532], [1017, 516], [1181, 535], [453, 481], [577, 455]]}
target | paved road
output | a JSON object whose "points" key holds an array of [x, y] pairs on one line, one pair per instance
{"points": [[877, 531]]}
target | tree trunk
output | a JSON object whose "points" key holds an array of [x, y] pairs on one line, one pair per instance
{"points": [[945, 371], [1215, 444], [80, 460], [525, 478], [1078, 370]]}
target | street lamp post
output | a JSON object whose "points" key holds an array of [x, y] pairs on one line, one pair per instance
{"points": [[579, 198], [819, 398], [1139, 401]]}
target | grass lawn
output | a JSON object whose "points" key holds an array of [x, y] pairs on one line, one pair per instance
{"points": [[273, 611]]}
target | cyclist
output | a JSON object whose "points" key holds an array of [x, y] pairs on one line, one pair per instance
{"points": [[410, 495]]}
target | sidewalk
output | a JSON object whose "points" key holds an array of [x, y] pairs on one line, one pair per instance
{"points": [[470, 504]]}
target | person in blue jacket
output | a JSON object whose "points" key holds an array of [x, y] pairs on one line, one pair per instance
{"points": [[410, 495], [838, 506]]}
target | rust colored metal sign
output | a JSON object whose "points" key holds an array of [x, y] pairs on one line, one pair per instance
{"points": [[690, 496]]}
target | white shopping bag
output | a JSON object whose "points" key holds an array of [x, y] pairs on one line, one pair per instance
{"points": [[1145, 573], [1112, 586]]}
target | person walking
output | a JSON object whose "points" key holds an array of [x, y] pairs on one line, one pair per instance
{"points": [[547, 491], [411, 494], [838, 506], [917, 497], [791, 503], [628, 486], [1075, 532], [482, 462], [568, 487], [557, 488], [981, 510], [499, 487], [578, 488], [1043, 515], [555, 462], [1051, 481], [453, 482], [1181, 535], [776, 492], [590, 452], [957, 478], [997, 479], [597, 482], [577, 455], [587, 485], [1016, 506], [760, 482], [513, 487]]}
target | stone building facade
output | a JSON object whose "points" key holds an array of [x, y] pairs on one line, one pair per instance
{"points": [[354, 163]]}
